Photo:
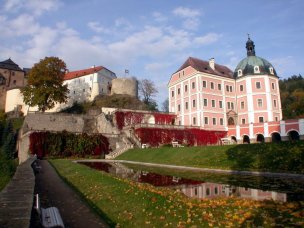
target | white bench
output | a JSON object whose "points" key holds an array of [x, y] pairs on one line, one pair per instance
{"points": [[50, 217]]}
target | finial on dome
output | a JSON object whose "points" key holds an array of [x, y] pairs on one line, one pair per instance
{"points": [[250, 47]]}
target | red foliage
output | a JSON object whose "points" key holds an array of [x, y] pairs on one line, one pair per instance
{"points": [[126, 118], [42, 144], [37, 143], [190, 136]]}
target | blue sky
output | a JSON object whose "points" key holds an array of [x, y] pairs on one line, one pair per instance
{"points": [[152, 38]]}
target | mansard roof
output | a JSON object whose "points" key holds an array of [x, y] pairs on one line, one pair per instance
{"points": [[80, 73], [10, 65], [203, 66]]}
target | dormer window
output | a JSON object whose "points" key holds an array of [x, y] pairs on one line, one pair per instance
{"points": [[271, 70], [240, 73], [256, 69]]}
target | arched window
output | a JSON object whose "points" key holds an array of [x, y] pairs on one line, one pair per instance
{"points": [[240, 73], [260, 138], [231, 121], [246, 139]]}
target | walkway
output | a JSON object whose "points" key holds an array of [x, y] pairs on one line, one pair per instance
{"points": [[55, 192]]}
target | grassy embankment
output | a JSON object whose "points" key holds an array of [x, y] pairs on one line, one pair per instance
{"points": [[7, 164], [131, 204], [273, 157]]}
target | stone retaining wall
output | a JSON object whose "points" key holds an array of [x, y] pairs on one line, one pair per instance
{"points": [[16, 199]]}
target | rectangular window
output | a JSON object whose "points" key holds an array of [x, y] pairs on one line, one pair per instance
{"points": [[230, 88], [204, 84], [261, 119], [186, 88], [178, 91], [186, 105], [193, 103], [172, 93], [258, 85], [227, 88], [228, 105], [205, 102], [260, 103], [275, 103], [243, 121], [241, 88], [206, 120], [242, 105], [219, 86], [213, 103], [214, 121], [221, 121], [212, 85], [194, 121], [193, 85], [232, 106], [276, 118], [221, 104], [178, 108], [272, 85]]}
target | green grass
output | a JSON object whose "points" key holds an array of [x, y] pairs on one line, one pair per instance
{"points": [[273, 157], [125, 203], [7, 170]]}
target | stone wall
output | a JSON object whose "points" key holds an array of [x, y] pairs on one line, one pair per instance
{"points": [[53, 122], [128, 86]]}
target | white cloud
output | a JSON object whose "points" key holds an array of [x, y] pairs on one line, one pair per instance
{"points": [[190, 16], [156, 67], [22, 25], [186, 12], [35, 7], [207, 39], [159, 17], [283, 65], [123, 24], [96, 27]]}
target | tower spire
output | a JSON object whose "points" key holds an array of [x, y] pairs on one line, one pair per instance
{"points": [[250, 47]]}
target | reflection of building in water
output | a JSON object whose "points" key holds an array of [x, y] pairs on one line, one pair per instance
{"points": [[212, 190]]}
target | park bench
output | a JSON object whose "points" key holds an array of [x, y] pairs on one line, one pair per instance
{"points": [[50, 217]]}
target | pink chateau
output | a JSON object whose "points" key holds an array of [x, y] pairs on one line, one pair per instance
{"points": [[245, 103]]}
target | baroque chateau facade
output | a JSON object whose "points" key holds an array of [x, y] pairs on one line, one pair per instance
{"points": [[245, 103]]}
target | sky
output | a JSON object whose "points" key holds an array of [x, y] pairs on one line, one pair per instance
{"points": [[152, 38]]}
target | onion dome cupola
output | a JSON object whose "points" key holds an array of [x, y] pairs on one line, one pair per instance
{"points": [[252, 64]]}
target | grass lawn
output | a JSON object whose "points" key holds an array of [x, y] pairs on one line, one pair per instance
{"points": [[124, 203], [7, 170], [273, 157]]}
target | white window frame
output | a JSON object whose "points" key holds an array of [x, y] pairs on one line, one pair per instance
{"points": [[205, 102], [214, 120], [240, 73], [256, 69]]}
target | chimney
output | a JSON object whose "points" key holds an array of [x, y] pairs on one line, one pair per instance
{"points": [[211, 63]]}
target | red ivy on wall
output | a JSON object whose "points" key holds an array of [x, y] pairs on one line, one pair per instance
{"points": [[64, 144], [190, 136], [126, 118]]}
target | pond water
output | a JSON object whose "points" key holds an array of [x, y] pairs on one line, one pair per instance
{"points": [[208, 185]]}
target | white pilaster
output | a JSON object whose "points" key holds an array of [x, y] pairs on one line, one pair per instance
{"points": [[301, 126], [268, 100], [238, 132], [251, 135], [283, 129], [266, 130], [249, 100]]}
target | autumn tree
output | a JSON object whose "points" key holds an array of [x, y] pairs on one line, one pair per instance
{"points": [[148, 90], [45, 84], [292, 97], [165, 105]]}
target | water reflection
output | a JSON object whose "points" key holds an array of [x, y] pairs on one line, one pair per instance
{"points": [[206, 189]]}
